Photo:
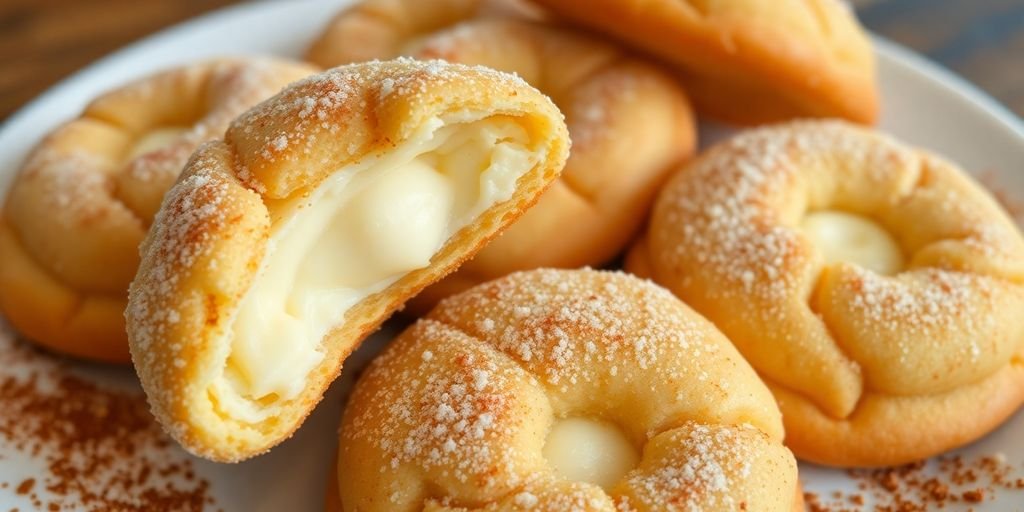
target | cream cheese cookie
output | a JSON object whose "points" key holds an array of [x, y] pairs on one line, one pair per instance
{"points": [[630, 124], [876, 287], [321, 212], [554, 390]]}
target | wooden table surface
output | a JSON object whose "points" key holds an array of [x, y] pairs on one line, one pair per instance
{"points": [[42, 41]]}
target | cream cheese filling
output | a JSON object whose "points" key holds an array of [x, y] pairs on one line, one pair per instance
{"points": [[358, 232], [592, 451], [155, 139], [845, 237]]}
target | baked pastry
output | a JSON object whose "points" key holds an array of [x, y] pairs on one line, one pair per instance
{"points": [[380, 29], [630, 124], [749, 61], [319, 214], [563, 390], [875, 287], [83, 200]]}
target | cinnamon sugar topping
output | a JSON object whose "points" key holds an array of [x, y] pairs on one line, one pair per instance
{"points": [[949, 481], [487, 372], [725, 235], [727, 222], [315, 102], [94, 447]]}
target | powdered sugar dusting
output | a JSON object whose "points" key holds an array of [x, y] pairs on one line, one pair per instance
{"points": [[510, 356], [230, 86], [182, 234], [926, 330], [709, 462], [525, 500], [939, 301], [570, 335], [89, 199], [726, 234], [70, 185], [321, 104], [449, 415], [724, 219]]}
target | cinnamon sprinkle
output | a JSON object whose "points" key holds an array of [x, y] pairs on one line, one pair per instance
{"points": [[26, 486], [94, 447], [923, 486]]}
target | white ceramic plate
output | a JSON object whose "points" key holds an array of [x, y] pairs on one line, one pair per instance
{"points": [[922, 104]]}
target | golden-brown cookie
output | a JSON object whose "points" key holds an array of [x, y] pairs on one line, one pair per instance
{"points": [[630, 124], [319, 214], [74, 217], [554, 390], [749, 61], [875, 287], [381, 29]]}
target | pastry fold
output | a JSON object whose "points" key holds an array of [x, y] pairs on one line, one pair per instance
{"points": [[460, 412], [871, 366], [320, 213]]}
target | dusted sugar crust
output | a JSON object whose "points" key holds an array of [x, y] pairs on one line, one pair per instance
{"points": [[869, 369], [453, 415], [209, 239], [630, 123], [74, 217]]}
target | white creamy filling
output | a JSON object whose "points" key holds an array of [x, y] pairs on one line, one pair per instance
{"points": [[154, 140], [585, 450], [357, 233], [844, 237]]}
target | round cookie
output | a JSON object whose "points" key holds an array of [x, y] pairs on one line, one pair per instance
{"points": [[749, 61], [875, 287], [629, 122], [554, 390], [318, 215], [75, 215]]}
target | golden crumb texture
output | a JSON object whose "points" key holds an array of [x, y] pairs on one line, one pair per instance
{"points": [[209, 238], [454, 414], [869, 369], [629, 119]]}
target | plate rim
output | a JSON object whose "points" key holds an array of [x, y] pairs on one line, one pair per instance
{"points": [[951, 81]]}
